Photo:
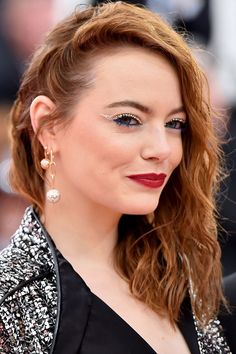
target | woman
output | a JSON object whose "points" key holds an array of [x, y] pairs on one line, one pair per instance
{"points": [[113, 145]]}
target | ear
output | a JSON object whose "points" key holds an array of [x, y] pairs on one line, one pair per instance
{"points": [[41, 107]]}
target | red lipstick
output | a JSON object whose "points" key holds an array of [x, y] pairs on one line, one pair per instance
{"points": [[151, 180]]}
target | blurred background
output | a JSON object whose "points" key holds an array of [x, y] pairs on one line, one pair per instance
{"points": [[211, 27]]}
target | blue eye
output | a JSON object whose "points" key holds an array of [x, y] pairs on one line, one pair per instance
{"points": [[176, 123], [127, 119]]}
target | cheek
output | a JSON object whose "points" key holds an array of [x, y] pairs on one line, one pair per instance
{"points": [[176, 152], [112, 160], [106, 147], [99, 154]]}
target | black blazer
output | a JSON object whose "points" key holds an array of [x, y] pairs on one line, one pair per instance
{"points": [[46, 307], [228, 321]]}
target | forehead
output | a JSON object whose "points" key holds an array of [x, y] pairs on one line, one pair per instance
{"points": [[134, 71], [124, 56]]}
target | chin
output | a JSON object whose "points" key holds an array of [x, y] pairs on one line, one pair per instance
{"points": [[142, 209]]}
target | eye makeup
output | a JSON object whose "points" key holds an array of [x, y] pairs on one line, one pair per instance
{"points": [[176, 123], [124, 119], [131, 120]]}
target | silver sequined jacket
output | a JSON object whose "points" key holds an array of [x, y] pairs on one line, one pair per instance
{"points": [[31, 301]]}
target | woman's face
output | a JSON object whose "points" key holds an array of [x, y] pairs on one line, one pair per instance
{"points": [[125, 138]]}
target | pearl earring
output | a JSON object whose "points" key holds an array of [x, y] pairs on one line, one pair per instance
{"points": [[47, 163]]}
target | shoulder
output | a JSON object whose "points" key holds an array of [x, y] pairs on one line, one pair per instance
{"points": [[28, 289], [27, 256], [11, 270], [228, 320]]}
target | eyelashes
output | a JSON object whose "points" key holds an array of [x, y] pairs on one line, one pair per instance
{"points": [[130, 120], [176, 123], [124, 119]]}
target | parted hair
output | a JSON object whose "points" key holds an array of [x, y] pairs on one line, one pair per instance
{"points": [[174, 252]]}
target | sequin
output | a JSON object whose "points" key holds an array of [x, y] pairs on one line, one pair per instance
{"points": [[28, 305], [210, 339]]}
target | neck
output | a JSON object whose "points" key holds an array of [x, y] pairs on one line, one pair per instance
{"points": [[82, 230]]}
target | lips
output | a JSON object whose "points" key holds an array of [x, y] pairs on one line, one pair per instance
{"points": [[151, 180]]}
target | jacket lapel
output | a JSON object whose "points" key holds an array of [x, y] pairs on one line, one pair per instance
{"points": [[187, 327], [75, 300]]}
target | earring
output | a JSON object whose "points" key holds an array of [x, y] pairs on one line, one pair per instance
{"points": [[47, 163]]}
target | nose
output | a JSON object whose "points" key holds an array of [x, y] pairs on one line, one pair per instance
{"points": [[156, 145]]}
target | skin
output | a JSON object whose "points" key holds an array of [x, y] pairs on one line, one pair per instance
{"points": [[94, 157]]}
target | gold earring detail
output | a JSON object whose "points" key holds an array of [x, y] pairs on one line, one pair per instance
{"points": [[47, 163]]}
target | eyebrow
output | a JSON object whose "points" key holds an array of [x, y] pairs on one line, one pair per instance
{"points": [[128, 103], [177, 110], [141, 107]]}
